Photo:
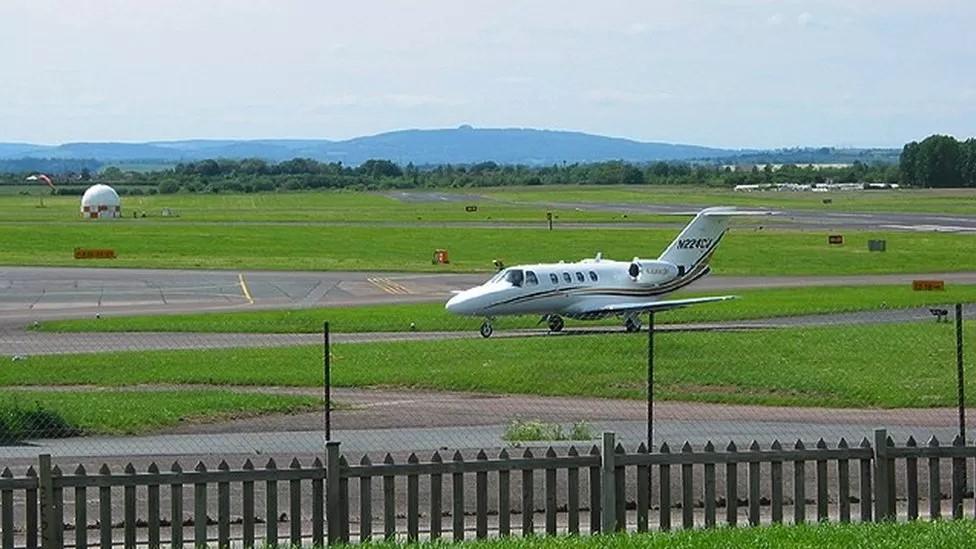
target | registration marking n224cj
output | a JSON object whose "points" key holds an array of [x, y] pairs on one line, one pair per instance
{"points": [[694, 243]]}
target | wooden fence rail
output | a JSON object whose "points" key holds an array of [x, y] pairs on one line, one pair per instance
{"points": [[604, 488]]}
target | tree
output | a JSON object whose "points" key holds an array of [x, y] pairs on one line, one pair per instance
{"points": [[112, 173], [380, 168], [967, 169], [937, 163], [252, 166]]}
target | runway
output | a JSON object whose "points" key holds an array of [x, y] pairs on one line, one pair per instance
{"points": [[822, 219], [28, 343], [812, 218], [39, 293]]}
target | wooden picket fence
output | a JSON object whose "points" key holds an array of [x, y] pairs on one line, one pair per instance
{"points": [[602, 489]]}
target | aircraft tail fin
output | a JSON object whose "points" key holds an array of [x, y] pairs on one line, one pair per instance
{"points": [[698, 240]]}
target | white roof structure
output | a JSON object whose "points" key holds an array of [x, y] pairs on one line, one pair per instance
{"points": [[100, 201]]}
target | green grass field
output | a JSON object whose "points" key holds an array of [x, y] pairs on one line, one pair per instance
{"points": [[243, 246], [890, 365], [293, 231], [930, 535], [117, 412], [764, 303], [301, 208]]}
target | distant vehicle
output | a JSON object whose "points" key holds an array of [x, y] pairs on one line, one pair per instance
{"points": [[596, 288]]}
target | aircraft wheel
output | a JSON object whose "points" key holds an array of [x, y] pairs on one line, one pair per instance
{"points": [[486, 329], [632, 325], [556, 323]]}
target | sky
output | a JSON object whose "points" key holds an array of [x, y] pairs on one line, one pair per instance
{"points": [[738, 74]]}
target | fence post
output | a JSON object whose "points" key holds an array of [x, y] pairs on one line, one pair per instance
{"points": [[607, 484], [881, 476], [49, 523], [650, 379], [960, 381], [327, 379], [332, 504]]}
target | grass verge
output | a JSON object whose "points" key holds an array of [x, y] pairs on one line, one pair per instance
{"points": [[19, 420], [934, 534], [305, 208], [886, 365], [54, 414], [288, 247], [762, 303], [519, 430]]}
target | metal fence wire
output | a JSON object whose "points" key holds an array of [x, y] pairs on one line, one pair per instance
{"points": [[410, 387], [413, 378]]}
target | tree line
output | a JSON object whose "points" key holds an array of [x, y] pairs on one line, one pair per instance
{"points": [[939, 161], [254, 175]]}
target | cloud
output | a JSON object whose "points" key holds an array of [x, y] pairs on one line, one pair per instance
{"points": [[775, 19], [636, 29], [624, 97], [804, 19], [386, 100]]}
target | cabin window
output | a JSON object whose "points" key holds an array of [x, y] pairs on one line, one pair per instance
{"points": [[580, 277], [554, 278], [593, 276], [567, 278], [530, 278], [515, 277]]}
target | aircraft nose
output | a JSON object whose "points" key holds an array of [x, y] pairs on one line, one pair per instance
{"points": [[458, 304]]}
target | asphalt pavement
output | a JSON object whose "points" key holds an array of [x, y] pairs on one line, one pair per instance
{"points": [[825, 217], [39, 293]]}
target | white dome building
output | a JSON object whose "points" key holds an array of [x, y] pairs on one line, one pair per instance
{"points": [[100, 201]]}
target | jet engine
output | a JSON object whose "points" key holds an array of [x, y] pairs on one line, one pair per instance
{"points": [[651, 271]]}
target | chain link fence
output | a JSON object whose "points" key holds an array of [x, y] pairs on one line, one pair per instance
{"points": [[405, 378], [109, 395]]}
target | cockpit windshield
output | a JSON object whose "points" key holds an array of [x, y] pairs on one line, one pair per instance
{"points": [[515, 277]]}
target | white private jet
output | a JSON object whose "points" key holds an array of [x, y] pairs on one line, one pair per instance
{"points": [[597, 288]]}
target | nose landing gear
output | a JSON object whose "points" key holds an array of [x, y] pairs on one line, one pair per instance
{"points": [[486, 329]]}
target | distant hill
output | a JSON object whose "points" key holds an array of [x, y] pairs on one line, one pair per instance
{"points": [[463, 145], [448, 146]]}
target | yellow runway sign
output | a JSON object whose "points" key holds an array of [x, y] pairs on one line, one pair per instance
{"points": [[928, 285], [94, 253]]}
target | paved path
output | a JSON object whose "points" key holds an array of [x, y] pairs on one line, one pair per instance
{"points": [[403, 420]]}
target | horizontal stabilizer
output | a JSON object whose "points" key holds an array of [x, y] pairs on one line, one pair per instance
{"points": [[653, 306], [732, 211]]}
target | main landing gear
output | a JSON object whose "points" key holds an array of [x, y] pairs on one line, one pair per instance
{"points": [[486, 329], [632, 324], [555, 323]]}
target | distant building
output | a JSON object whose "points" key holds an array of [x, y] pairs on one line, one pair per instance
{"points": [[99, 202], [777, 167], [816, 187]]}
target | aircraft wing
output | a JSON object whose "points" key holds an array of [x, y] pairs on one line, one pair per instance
{"points": [[661, 305]]}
